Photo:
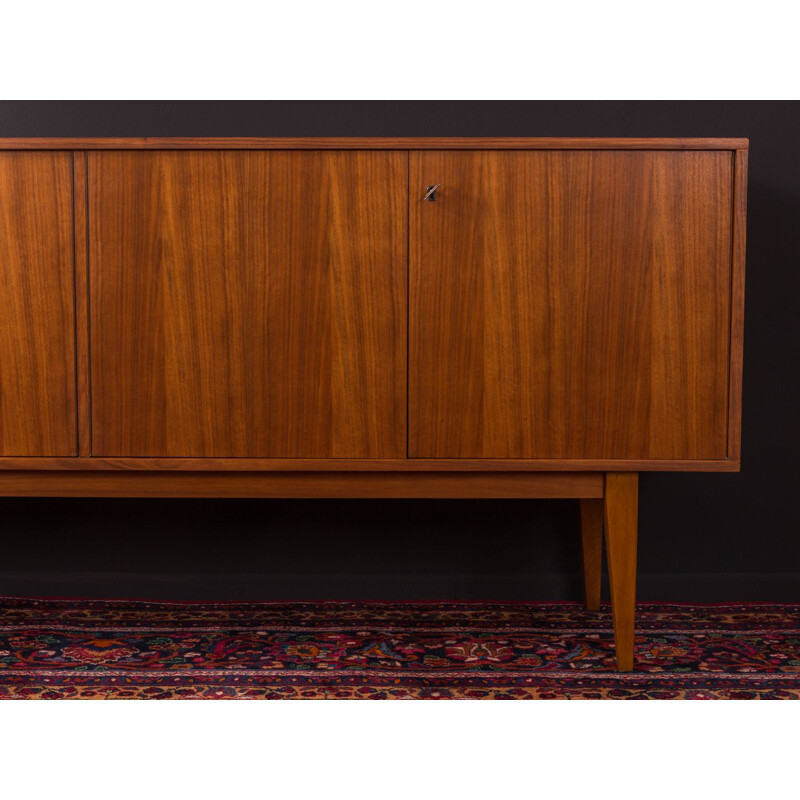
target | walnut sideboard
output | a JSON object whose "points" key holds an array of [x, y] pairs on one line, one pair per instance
{"points": [[374, 318]]}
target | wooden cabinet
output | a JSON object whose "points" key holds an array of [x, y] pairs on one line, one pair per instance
{"points": [[374, 318]]}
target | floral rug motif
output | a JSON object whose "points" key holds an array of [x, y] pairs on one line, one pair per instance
{"points": [[127, 649]]}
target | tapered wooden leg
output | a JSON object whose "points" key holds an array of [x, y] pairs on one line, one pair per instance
{"points": [[592, 543], [621, 512]]}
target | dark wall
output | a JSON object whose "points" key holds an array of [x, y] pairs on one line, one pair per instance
{"points": [[703, 536]]}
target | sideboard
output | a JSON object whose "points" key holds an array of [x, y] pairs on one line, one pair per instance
{"points": [[446, 318]]}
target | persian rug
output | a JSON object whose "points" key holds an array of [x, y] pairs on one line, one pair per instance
{"points": [[117, 649]]}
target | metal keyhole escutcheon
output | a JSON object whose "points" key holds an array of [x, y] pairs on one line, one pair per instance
{"points": [[430, 192]]}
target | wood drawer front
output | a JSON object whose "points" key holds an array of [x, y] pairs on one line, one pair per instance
{"points": [[248, 304], [570, 304], [37, 320]]}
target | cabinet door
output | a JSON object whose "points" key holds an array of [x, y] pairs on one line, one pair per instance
{"points": [[570, 304], [37, 320], [248, 304]]}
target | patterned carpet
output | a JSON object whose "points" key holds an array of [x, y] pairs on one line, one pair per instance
{"points": [[57, 649]]}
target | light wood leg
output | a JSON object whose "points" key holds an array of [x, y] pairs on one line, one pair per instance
{"points": [[592, 544], [621, 511]]}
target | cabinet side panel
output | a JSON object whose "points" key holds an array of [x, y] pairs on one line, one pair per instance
{"points": [[737, 304], [37, 312]]}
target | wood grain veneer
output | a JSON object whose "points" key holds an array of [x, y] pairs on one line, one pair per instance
{"points": [[248, 304], [37, 306], [570, 305]]}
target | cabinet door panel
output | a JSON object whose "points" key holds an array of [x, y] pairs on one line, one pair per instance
{"points": [[37, 320], [248, 304], [570, 304]]}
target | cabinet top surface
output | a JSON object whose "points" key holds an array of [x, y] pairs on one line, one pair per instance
{"points": [[372, 143]]}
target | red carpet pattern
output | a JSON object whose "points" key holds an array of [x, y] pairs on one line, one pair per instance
{"points": [[54, 649]]}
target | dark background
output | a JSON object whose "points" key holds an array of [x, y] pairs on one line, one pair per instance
{"points": [[703, 537]]}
